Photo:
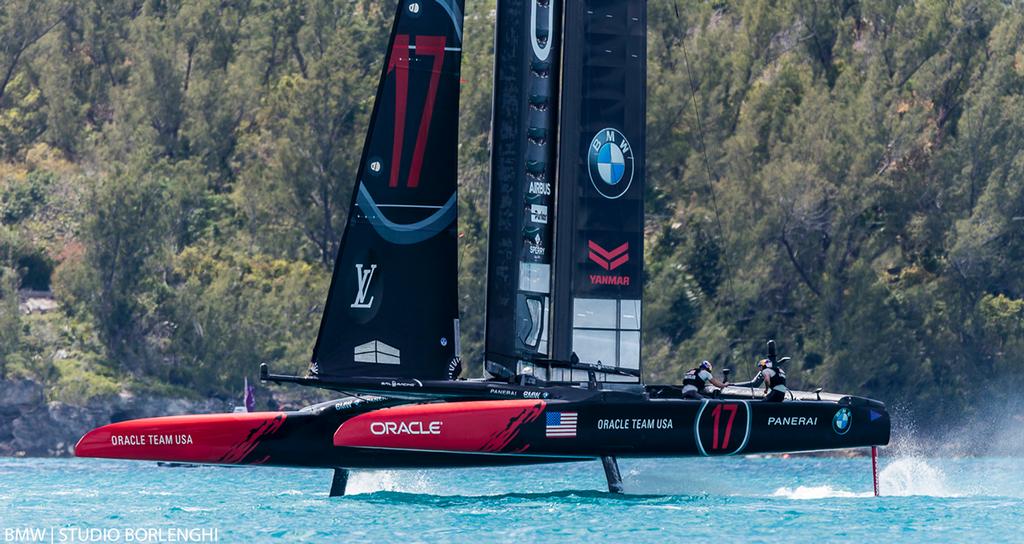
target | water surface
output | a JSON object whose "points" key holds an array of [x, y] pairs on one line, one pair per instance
{"points": [[735, 499]]}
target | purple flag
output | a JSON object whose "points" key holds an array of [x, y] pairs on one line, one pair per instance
{"points": [[250, 397]]}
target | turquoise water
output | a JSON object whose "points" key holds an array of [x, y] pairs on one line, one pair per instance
{"points": [[732, 499]]}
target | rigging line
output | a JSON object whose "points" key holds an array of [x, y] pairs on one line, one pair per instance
{"points": [[712, 177]]}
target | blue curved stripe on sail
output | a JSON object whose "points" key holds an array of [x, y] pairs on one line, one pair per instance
{"points": [[412, 233], [453, 11]]}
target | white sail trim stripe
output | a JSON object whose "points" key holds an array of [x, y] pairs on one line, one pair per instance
{"points": [[456, 49]]}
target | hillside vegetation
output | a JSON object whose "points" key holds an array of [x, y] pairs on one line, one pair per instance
{"points": [[178, 174]]}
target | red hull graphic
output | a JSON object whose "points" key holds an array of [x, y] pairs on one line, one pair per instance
{"points": [[479, 427], [215, 438]]}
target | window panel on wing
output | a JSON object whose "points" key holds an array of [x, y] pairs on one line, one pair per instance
{"points": [[629, 315], [629, 350], [592, 346], [594, 313]]}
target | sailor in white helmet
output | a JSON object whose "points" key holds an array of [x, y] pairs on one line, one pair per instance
{"points": [[697, 380]]}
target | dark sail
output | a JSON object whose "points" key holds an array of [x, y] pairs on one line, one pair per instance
{"points": [[599, 217], [393, 303], [523, 155]]}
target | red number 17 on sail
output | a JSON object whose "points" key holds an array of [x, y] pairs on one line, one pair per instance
{"points": [[401, 54]]}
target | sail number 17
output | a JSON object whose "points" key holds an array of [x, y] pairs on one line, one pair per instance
{"points": [[401, 55], [716, 414]]}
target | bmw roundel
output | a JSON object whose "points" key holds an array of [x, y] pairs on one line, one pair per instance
{"points": [[842, 421], [610, 161]]}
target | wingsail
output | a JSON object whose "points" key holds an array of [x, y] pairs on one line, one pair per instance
{"points": [[392, 308], [598, 283], [565, 262]]}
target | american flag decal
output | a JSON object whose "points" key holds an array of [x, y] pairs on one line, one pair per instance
{"points": [[560, 425]]}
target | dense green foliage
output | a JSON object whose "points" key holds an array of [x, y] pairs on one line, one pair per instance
{"points": [[179, 173]]}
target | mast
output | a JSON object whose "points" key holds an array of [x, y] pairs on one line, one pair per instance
{"points": [[524, 136]]}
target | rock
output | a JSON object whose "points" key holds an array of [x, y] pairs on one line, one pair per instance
{"points": [[6, 424], [31, 426], [36, 433], [20, 393], [75, 421], [133, 407], [38, 305]]}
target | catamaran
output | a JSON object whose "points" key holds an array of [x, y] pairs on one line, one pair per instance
{"points": [[562, 358]]}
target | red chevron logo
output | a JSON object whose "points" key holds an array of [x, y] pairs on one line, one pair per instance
{"points": [[608, 260]]}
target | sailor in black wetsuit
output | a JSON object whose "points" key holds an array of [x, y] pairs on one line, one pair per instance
{"points": [[774, 381], [696, 381]]}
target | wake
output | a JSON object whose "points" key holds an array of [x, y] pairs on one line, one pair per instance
{"points": [[903, 477], [908, 473], [914, 476], [804, 492], [363, 482]]}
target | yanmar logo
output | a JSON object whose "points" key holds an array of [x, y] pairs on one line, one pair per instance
{"points": [[380, 428], [608, 260]]}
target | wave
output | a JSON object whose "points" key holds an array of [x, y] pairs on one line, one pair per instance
{"points": [[804, 492]]}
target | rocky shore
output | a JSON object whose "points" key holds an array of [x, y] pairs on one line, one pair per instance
{"points": [[31, 426]]}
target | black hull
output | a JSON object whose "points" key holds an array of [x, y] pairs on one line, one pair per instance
{"points": [[388, 434]]}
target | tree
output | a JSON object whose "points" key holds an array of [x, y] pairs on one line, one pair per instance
{"points": [[22, 24], [127, 244], [231, 311], [10, 317], [300, 161]]}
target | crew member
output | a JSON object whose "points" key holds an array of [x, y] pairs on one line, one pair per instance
{"points": [[696, 381], [774, 381]]}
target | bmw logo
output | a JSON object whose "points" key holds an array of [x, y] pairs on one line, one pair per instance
{"points": [[842, 421], [610, 160]]}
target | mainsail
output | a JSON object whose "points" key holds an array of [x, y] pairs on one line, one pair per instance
{"points": [[598, 283], [392, 308]]}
